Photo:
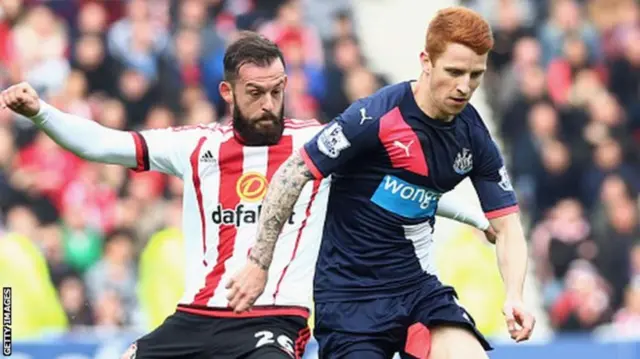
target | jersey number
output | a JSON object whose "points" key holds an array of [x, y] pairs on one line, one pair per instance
{"points": [[266, 337]]}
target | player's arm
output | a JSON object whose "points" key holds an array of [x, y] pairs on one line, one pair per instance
{"points": [[333, 147], [277, 206], [157, 150], [500, 205], [498, 200], [511, 248], [87, 139]]}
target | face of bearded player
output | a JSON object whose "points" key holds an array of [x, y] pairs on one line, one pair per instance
{"points": [[258, 103]]}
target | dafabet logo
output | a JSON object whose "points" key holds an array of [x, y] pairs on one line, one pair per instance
{"points": [[251, 187]]}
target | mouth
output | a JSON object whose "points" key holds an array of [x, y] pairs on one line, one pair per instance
{"points": [[266, 122], [458, 100]]}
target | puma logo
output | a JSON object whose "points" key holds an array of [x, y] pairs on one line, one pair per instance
{"points": [[403, 147], [363, 115]]}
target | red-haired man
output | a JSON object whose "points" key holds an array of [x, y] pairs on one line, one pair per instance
{"points": [[391, 156]]}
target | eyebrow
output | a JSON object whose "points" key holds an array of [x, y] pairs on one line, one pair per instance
{"points": [[262, 88], [453, 68]]}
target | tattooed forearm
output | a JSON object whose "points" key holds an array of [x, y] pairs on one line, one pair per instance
{"points": [[277, 207]]}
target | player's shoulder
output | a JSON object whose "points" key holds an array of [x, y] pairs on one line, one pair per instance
{"points": [[210, 129], [299, 124], [189, 134], [299, 127], [190, 129], [378, 104], [474, 121]]}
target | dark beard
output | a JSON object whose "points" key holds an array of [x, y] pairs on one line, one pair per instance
{"points": [[251, 135]]}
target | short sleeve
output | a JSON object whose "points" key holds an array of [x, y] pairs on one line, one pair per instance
{"points": [[167, 150], [351, 133], [492, 183]]}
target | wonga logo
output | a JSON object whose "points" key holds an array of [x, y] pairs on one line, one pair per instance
{"points": [[251, 187], [405, 199]]}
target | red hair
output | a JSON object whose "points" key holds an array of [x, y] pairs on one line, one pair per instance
{"points": [[458, 25]]}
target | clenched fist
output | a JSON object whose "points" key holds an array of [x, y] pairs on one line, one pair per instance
{"points": [[21, 99]]}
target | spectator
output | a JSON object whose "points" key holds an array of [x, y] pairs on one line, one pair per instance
{"points": [[510, 24], [566, 18], [531, 90], [92, 19], [74, 302], [45, 159], [101, 70], [615, 245], [360, 83], [556, 180], [97, 198], [50, 238], [115, 271], [82, 243], [513, 75], [625, 70], [585, 303], [9, 195], [563, 237], [562, 69], [135, 40], [627, 319], [109, 313], [289, 22], [635, 260], [40, 41]]}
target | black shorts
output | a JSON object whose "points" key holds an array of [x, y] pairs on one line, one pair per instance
{"points": [[190, 336], [383, 326]]}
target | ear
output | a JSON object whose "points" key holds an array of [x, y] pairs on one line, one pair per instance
{"points": [[286, 81], [226, 91], [425, 62]]}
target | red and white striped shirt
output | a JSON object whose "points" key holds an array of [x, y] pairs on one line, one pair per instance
{"points": [[224, 184]]}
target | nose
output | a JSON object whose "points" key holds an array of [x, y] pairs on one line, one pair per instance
{"points": [[268, 104], [463, 87]]}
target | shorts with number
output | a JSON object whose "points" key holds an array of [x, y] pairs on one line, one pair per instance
{"points": [[191, 336], [378, 328]]}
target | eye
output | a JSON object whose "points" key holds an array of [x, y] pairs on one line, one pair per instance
{"points": [[455, 72], [255, 93], [476, 75], [276, 92]]}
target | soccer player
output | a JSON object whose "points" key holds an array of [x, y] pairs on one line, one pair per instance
{"points": [[392, 155], [225, 171]]}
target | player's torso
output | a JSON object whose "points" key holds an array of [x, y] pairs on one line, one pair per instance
{"points": [[390, 196], [228, 183]]}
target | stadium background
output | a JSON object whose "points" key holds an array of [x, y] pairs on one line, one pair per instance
{"points": [[93, 251]]}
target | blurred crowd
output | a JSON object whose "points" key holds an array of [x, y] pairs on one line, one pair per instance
{"points": [[109, 238], [104, 240], [566, 75]]}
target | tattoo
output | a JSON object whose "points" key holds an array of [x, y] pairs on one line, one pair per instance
{"points": [[277, 207]]}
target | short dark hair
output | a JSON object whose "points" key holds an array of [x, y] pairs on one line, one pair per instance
{"points": [[120, 232], [252, 48]]}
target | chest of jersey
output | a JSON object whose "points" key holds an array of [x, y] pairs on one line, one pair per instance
{"points": [[435, 157], [415, 164], [235, 178]]}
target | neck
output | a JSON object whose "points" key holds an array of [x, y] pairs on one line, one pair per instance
{"points": [[423, 98], [239, 137]]}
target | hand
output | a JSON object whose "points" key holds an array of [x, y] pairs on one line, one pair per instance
{"points": [[520, 322], [21, 99], [491, 234], [246, 286]]}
